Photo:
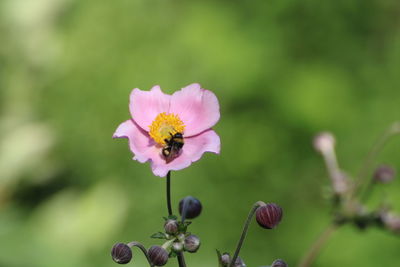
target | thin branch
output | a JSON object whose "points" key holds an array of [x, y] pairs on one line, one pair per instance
{"points": [[369, 161], [316, 247], [244, 231], [142, 248], [181, 260], [169, 193]]}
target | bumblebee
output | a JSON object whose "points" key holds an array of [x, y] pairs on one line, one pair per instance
{"points": [[173, 146]]}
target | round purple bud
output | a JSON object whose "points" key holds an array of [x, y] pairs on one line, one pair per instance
{"points": [[121, 253], [384, 174], [171, 227], [191, 243], [269, 215], [279, 263], [158, 255], [190, 206]]}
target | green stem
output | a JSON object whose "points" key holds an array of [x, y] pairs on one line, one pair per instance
{"points": [[181, 260], [367, 192], [142, 248], [244, 231], [316, 247], [169, 193], [393, 130]]}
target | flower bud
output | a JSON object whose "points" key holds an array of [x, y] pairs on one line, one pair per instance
{"points": [[269, 215], [225, 259], [158, 255], [384, 174], [121, 253], [324, 142], [191, 243], [192, 207], [177, 246], [390, 220], [239, 263], [279, 263], [171, 227]]}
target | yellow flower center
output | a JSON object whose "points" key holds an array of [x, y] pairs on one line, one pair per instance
{"points": [[164, 126]]}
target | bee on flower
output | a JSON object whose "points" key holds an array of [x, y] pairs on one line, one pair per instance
{"points": [[171, 131]]}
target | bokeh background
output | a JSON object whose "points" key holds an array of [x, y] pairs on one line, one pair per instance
{"points": [[283, 70]]}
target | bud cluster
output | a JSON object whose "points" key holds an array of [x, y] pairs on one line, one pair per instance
{"points": [[177, 239], [350, 195]]}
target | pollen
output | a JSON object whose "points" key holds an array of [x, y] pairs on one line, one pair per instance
{"points": [[164, 126]]}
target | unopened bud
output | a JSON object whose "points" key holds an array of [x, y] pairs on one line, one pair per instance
{"points": [[191, 243], [324, 142], [269, 215], [158, 255], [190, 206], [171, 227], [391, 221], [279, 263], [121, 253], [177, 246], [395, 128], [239, 263], [225, 259], [384, 174]]}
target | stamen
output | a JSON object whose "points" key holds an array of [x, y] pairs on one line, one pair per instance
{"points": [[165, 125]]}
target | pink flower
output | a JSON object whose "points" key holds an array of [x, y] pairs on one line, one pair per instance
{"points": [[158, 119]]}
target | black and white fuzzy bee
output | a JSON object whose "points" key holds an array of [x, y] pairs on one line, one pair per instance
{"points": [[173, 147]]}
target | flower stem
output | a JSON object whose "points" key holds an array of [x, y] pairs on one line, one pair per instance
{"points": [[244, 231], [316, 247], [367, 192], [181, 260], [169, 193], [142, 248], [393, 130]]}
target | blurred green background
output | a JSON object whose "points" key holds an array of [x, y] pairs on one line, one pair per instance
{"points": [[283, 70]]}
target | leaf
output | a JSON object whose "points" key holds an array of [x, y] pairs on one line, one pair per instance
{"points": [[159, 235], [170, 217], [219, 258], [183, 226]]}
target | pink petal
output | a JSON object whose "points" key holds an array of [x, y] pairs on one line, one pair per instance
{"points": [[140, 143], [196, 107], [146, 105], [192, 151]]}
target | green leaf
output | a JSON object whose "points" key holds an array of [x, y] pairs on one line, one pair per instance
{"points": [[172, 217], [183, 226], [219, 258], [159, 235]]}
